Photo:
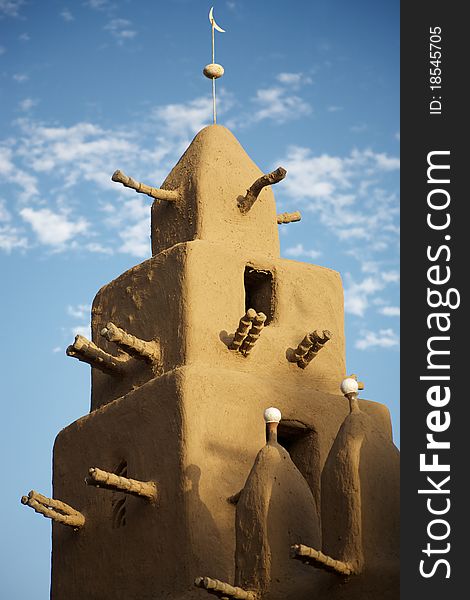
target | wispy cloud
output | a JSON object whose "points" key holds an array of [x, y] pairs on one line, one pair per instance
{"points": [[357, 294], [27, 104], [46, 164], [345, 193], [54, 228], [69, 158], [20, 77], [298, 251], [11, 173], [384, 338], [97, 248], [280, 106], [12, 238], [79, 311], [359, 128], [121, 29], [280, 102], [132, 221], [4, 212], [81, 152], [98, 4], [67, 16], [293, 79], [390, 311], [185, 119], [11, 8], [84, 330]]}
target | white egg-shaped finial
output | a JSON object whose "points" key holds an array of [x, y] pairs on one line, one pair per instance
{"points": [[213, 71], [349, 386], [272, 415]]}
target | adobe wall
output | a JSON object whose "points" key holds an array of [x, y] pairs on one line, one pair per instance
{"points": [[196, 432]]}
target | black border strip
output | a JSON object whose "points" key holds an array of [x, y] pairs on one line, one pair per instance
{"points": [[422, 133]]}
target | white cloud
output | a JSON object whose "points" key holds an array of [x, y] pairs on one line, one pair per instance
{"points": [[20, 77], [83, 330], [136, 240], [4, 212], [121, 29], [10, 8], [12, 238], [97, 248], [67, 15], [133, 224], [357, 294], [185, 119], [279, 104], [384, 338], [299, 250], [344, 193], [293, 79], [386, 163], [390, 276], [98, 4], [52, 166], [360, 128], [24, 37], [82, 152], [390, 311], [53, 229], [10, 173], [79, 311], [72, 157], [334, 108], [27, 104], [2, 50]]}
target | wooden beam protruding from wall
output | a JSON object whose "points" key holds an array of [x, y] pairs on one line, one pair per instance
{"points": [[224, 590], [132, 345], [317, 559], [54, 509], [141, 188], [246, 202], [111, 481], [86, 351]]}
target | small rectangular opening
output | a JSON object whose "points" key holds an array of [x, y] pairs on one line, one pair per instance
{"points": [[259, 292], [302, 444]]}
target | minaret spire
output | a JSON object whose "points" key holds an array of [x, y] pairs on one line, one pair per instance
{"points": [[213, 70]]}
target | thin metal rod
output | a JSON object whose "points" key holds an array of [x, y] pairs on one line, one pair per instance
{"points": [[213, 100], [213, 43], [214, 111]]}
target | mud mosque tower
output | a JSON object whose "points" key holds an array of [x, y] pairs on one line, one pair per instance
{"points": [[183, 482]]}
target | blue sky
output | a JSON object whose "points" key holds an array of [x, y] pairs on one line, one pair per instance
{"points": [[87, 87]]}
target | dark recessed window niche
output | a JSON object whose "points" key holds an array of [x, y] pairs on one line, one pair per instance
{"points": [[259, 291], [302, 444]]}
